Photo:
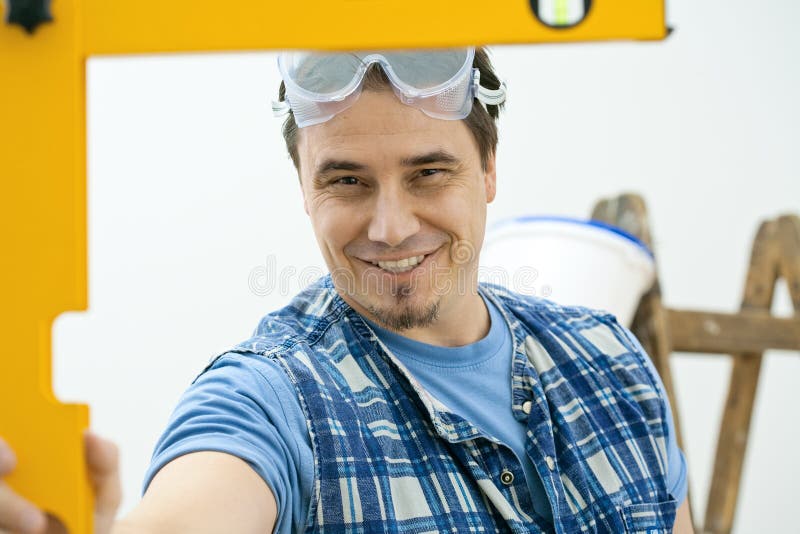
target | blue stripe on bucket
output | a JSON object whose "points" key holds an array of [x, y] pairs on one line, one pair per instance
{"points": [[586, 222]]}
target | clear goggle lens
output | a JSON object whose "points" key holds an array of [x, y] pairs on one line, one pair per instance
{"points": [[442, 83]]}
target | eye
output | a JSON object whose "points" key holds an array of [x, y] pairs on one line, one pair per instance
{"points": [[346, 180], [431, 177]]}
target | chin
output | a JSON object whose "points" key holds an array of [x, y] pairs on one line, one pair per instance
{"points": [[405, 315]]}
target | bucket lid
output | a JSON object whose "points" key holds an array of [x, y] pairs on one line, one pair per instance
{"points": [[524, 219]]}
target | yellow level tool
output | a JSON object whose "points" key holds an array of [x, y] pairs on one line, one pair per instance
{"points": [[43, 52]]}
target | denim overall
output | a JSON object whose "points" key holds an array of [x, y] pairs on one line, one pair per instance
{"points": [[390, 458]]}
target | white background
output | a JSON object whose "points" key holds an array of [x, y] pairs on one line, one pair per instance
{"points": [[191, 192]]}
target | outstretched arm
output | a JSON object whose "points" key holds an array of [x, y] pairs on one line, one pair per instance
{"points": [[203, 492], [683, 520], [198, 492]]}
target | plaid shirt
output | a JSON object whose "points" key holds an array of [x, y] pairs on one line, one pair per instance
{"points": [[390, 458]]}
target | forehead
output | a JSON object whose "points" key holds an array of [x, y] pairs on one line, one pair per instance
{"points": [[379, 129]]}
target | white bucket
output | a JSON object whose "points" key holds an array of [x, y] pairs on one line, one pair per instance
{"points": [[570, 261]]}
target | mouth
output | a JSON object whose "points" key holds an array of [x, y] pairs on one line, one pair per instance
{"points": [[403, 265]]}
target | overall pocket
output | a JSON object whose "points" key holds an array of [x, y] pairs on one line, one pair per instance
{"points": [[649, 518]]}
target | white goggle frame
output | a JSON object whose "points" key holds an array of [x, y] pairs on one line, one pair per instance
{"points": [[441, 83]]}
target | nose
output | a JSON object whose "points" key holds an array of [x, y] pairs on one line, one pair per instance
{"points": [[393, 219]]}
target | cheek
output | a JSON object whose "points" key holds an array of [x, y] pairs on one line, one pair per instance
{"points": [[461, 207], [334, 226], [463, 216]]}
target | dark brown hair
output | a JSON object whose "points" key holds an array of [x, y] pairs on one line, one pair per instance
{"points": [[481, 121]]}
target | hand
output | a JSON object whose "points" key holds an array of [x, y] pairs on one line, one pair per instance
{"points": [[102, 459]]}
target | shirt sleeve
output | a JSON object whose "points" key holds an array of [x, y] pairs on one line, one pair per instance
{"points": [[676, 462], [244, 405]]}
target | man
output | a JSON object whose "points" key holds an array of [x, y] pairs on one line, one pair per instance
{"points": [[396, 393]]}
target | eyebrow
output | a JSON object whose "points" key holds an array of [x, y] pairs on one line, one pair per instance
{"points": [[332, 165], [338, 165], [437, 156]]}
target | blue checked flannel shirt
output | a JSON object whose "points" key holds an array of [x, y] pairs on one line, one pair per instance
{"points": [[389, 457]]}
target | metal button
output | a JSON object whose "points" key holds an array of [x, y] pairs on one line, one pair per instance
{"points": [[507, 477], [551, 464], [526, 407]]}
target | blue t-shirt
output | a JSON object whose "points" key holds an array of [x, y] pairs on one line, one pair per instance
{"points": [[244, 405]]}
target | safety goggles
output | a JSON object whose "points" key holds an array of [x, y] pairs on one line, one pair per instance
{"points": [[442, 83]]}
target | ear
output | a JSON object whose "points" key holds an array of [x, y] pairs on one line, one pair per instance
{"points": [[490, 178]]}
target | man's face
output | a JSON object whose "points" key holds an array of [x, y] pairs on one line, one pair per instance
{"points": [[383, 182]]}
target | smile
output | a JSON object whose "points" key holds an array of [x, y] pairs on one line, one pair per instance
{"points": [[399, 266], [403, 265]]}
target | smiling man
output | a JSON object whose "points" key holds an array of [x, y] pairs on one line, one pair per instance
{"points": [[397, 394]]}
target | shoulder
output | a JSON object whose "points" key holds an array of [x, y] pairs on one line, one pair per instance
{"points": [[578, 339], [303, 321], [240, 371], [242, 386], [547, 312]]}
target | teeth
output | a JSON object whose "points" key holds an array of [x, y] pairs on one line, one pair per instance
{"points": [[400, 266]]}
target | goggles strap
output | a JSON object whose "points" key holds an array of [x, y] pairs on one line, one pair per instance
{"points": [[489, 97], [492, 97], [280, 108]]}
